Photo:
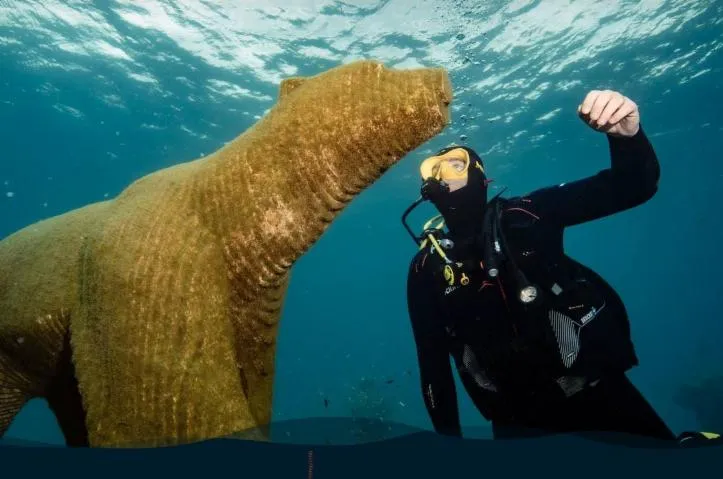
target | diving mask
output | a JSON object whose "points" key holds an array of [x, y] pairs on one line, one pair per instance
{"points": [[451, 168], [454, 181]]}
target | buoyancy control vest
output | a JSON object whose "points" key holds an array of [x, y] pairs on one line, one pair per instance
{"points": [[545, 316]]}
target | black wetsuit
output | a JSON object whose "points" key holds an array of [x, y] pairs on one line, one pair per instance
{"points": [[558, 368]]}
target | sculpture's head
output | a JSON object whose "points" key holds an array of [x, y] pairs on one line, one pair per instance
{"points": [[359, 119], [327, 138]]}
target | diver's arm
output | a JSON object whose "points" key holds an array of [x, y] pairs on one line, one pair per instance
{"points": [[437, 381], [631, 180]]}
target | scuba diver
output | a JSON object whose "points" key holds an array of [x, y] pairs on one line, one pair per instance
{"points": [[541, 342]]}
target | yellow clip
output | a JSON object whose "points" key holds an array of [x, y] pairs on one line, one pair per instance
{"points": [[449, 275], [464, 280], [438, 227], [710, 435]]}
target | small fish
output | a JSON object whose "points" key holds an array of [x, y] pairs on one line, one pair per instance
{"points": [[326, 403], [389, 381]]}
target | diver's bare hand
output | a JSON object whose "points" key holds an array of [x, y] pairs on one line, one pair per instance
{"points": [[611, 112]]}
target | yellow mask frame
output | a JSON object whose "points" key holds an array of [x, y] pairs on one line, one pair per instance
{"points": [[440, 168]]}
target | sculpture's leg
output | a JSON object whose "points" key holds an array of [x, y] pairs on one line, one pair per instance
{"points": [[35, 362], [15, 391], [256, 324], [30, 357], [64, 400], [154, 346], [17, 387]]}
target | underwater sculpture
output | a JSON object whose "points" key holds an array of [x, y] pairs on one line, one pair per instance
{"points": [[151, 319]]}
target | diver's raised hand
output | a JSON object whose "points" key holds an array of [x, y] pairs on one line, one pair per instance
{"points": [[610, 112]]}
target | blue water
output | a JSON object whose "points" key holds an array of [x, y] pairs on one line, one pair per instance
{"points": [[94, 98]]}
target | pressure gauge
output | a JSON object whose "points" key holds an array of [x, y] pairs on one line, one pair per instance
{"points": [[528, 294]]}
